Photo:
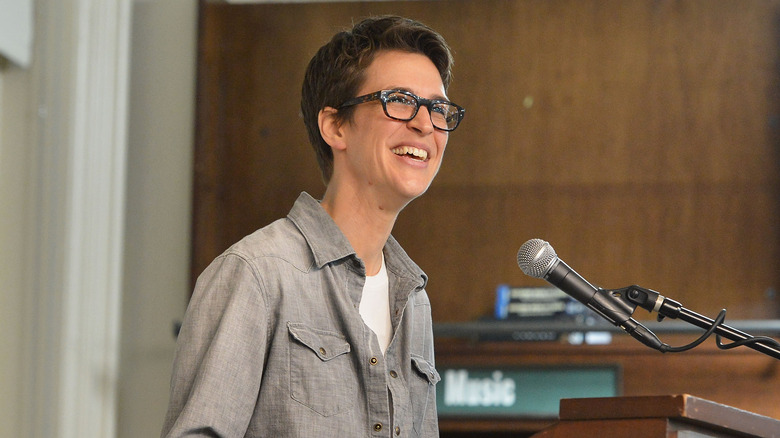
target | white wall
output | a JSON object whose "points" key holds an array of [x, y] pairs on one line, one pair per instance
{"points": [[159, 173], [16, 30]]}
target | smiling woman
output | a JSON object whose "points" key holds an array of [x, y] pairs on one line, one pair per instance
{"points": [[360, 339]]}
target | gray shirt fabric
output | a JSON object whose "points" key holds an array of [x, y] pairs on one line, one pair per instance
{"points": [[273, 345]]}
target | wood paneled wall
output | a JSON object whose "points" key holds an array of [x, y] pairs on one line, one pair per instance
{"points": [[639, 137]]}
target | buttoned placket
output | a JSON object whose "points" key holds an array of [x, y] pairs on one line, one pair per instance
{"points": [[393, 382], [383, 381], [396, 383], [378, 397], [374, 365]]}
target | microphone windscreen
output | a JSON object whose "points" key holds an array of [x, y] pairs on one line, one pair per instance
{"points": [[536, 257]]}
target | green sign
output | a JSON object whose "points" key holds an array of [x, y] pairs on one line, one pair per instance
{"points": [[520, 391]]}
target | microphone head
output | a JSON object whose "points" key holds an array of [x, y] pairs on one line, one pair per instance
{"points": [[536, 257]]}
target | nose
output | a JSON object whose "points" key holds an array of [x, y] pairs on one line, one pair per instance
{"points": [[422, 121]]}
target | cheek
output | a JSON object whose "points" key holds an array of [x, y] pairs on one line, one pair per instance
{"points": [[441, 141]]}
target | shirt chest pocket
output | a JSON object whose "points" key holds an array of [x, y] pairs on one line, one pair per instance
{"points": [[422, 390], [322, 376]]}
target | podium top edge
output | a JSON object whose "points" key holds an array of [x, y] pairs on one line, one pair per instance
{"points": [[682, 407]]}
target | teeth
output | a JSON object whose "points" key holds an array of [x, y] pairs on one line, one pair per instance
{"points": [[417, 153]]}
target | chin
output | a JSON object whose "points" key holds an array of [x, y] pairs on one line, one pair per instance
{"points": [[415, 192], [412, 187]]}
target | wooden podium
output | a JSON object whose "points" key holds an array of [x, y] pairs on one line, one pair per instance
{"points": [[656, 416]]}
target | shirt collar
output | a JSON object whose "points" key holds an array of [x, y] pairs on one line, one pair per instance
{"points": [[328, 243], [325, 239]]}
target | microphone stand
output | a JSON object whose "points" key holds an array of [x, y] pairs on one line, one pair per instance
{"points": [[652, 301]]}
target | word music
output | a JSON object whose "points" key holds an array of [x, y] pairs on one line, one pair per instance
{"points": [[462, 390]]}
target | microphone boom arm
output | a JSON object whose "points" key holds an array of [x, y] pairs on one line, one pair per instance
{"points": [[652, 301]]}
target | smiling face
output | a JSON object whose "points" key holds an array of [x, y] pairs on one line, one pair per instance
{"points": [[391, 160]]}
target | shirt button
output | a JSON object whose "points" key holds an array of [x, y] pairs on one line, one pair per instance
{"points": [[393, 374], [378, 427], [374, 361], [397, 430], [322, 351]]}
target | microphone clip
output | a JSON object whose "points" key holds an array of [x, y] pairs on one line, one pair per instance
{"points": [[649, 300], [612, 305], [618, 305]]}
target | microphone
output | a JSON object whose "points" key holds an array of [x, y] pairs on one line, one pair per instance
{"points": [[538, 259]]}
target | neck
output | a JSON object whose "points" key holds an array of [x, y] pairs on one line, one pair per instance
{"points": [[366, 224]]}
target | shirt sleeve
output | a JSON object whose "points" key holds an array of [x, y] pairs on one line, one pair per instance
{"points": [[220, 354]]}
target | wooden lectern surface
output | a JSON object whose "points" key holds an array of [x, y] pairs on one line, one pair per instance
{"points": [[656, 416]]}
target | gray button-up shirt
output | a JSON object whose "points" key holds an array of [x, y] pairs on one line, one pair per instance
{"points": [[273, 344]]}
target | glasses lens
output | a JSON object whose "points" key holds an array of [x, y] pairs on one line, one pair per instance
{"points": [[400, 105], [445, 116]]}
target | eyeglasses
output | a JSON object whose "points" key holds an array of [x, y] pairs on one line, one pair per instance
{"points": [[403, 105]]}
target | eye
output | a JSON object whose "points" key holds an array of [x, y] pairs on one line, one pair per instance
{"points": [[447, 110], [401, 98], [441, 109]]}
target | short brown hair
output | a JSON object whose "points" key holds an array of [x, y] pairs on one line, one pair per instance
{"points": [[335, 73]]}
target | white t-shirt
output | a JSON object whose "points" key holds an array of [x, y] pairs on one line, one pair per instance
{"points": [[375, 306]]}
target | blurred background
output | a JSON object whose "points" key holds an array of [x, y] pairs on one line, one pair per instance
{"points": [[139, 139]]}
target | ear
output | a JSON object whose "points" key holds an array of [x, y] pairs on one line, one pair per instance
{"points": [[331, 128]]}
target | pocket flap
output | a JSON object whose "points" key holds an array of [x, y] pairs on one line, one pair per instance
{"points": [[426, 369], [326, 345]]}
